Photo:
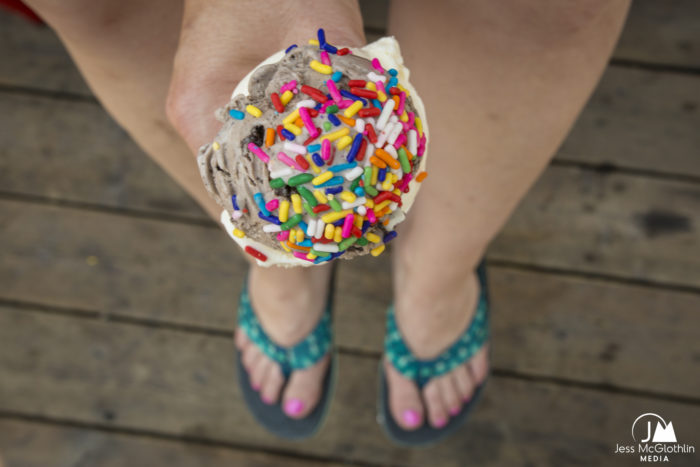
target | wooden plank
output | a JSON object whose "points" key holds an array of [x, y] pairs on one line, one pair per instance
{"points": [[30, 444], [33, 57], [189, 275], [640, 119], [182, 384], [74, 151], [662, 33]]}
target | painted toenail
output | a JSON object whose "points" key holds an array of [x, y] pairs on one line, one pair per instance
{"points": [[293, 407], [411, 417], [267, 400], [256, 387], [466, 399], [454, 411], [440, 422]]}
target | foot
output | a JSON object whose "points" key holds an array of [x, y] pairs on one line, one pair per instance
{"points": [[430, 318], [289, 304]]}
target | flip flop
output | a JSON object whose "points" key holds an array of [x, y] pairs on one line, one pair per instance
{"points": [[302, 355], [422, 371]]}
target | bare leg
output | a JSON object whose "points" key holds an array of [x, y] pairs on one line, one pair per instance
{"points": [[126, 49], [502, 90]]}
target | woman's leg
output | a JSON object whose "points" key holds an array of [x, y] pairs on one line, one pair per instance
{"points": [[502, 85], [126, 50]]}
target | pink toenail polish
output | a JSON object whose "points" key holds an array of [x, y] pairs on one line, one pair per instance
{"points": [[411, 417], [256, 387], [466, 399], [266, 399], [440, 422], [454, 411], [293, 407]]}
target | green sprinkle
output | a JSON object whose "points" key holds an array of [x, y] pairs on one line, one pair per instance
{"points": [[308, 209], [355, 183], [277, 182], [327, 126], [320, 253], [370, 190], [368, 177], [335, 205], [331, 109], [346, 242], [403, 158], [362, 241], [294, 220], [307, 195], [299, 179]]}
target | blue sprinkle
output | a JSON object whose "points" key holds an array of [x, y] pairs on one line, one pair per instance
{"points": [[313, 147], [359, 191], [234, 203], [334, 190], [272, 219], [356, 143], [303, 226], [333, 119], [321, 36], [339, 222], [336, 76], [261, 203], [321, 259], [365, 226], [237, 114], [329, 48], [389, 236], [393, 72], [335, 255], [352, 96], [318, 160], [318, 106], [337, 180], [392, 83], [306, 242], [341, 167], [376, 103], [381, 175], [290, 48], [287, 134]]}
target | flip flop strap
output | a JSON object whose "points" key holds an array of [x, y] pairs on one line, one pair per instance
{"points": [[422, 371], [302, 355]]}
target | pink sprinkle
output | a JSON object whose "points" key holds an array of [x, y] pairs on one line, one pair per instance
{"points": [[347, 225], [333, 90], [421, 146], [258, 152], [400, 140], [301, 255], [283, 236], [380, 86], [290, 86], [325, 59], [405, 126], [411, 119], [345, 103], [377, 66], [308, 123], [272, 204], [404, 181], [370, 216], [326, 104], [402, 101], [289, 161], [325, 150]]}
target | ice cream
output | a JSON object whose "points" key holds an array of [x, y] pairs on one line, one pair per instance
{"points": [[320, 154]]}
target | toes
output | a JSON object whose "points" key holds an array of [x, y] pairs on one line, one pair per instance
{"points": [[272, 384], [479, 365], [404, 399], [304, 389], [437, 411], [258, 371], [241, 339], [251, 354], [464, 382], [450, 394]]}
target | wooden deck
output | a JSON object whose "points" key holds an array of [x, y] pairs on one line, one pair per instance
{"points": [[117, 292]]}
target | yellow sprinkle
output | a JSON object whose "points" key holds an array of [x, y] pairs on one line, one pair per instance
{"points": [[335, 216], [313, 166], [254, 111], [310, 255], [373, 237], [286, 248], [338, 234], [293, 236], [382, 205], [284, 211], [381, 96], [336, 134], [358, 221], [387, 185], [330, 231], [371, 86], [320, 67], [408, 93], [324, 177], [289, 119], [344, 142], [378, 250], [286, 97], [404, 116], [296, 203], [397, 191], [347, 196], [375, 174], [238, 233], [369, 203], [313, 42], [293, 128], [352, 110], [300, 235], [419, 127], [216, 145], [320, 197]]}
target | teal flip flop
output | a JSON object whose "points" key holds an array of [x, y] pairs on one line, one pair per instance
{"points": [[422, 371], [302, 355]]}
